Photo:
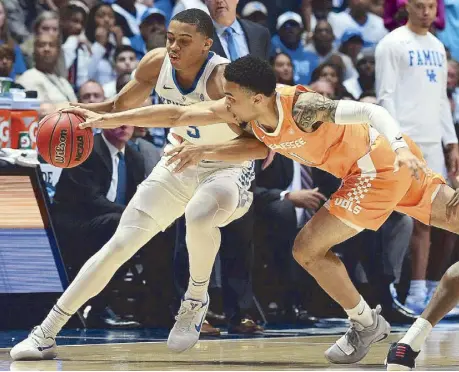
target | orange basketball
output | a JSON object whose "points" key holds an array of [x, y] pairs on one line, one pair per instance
{"points": [[61, 142]]}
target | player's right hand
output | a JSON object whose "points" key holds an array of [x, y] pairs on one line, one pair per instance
{"points": [[452, 206], [306, 198], [404, 157]]}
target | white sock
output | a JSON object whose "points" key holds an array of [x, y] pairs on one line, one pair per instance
{"points": [[197, 290], [418, 289], [361, 313], [55, 320], [417, 334], [431, 286]]}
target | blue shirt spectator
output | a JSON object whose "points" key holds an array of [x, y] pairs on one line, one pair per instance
{"points": [[152, 22], [450, 35], [288, 40]]}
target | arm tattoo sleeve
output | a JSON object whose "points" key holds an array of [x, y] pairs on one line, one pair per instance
{"points": [[312, 109]]}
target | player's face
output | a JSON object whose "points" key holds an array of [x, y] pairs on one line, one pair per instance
{"points": [[239, 102], [422, 13], [185, 45]]}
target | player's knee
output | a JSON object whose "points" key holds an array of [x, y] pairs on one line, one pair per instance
{"points": [[451, 276], [306, 252]]}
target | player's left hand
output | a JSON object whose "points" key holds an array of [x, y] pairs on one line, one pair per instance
{"points": [[452, 160], [404, 157], [185, 155]]}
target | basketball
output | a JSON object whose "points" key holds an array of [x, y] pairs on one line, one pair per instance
{"points": [[61, 142]]}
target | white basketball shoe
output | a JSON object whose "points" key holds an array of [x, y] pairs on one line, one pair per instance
{"points": [[37, 346], [187, 328]]}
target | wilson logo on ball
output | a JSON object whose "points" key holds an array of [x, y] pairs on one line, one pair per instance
{"points": [[60, 148]]}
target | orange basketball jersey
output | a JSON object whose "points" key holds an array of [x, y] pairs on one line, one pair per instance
{"points": [[362, 158], [332, 147]]}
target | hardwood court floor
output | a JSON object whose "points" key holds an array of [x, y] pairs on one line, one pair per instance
{"points": [[269, 353]]}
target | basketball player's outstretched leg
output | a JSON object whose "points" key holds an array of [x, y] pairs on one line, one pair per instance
{"points": [[402, 355], [312, 251], [135, 229]]}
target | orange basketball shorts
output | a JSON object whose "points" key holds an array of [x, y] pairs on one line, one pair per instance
{"points": [[372, 191]]}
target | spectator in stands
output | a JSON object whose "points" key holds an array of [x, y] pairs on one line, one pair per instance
{"points": [[105, 36], [395, 14], [128, 14], [314, 11], [333, 74], [450, 35], [125, 62], [7, 56], [23, 13], [52, 89], [416, 97], [76, 47], [255, 11], [453, 86], [323, 46], [90, 199], [358, 17], [289, 28], [352, 44], [152, 26], [181, 5], [19, 66], [324, 87], [366, 78], [46, 23], [283, 67]]}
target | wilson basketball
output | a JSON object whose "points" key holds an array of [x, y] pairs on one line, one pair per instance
{"points": [[61, 142]]}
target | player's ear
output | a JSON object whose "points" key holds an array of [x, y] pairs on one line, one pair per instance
{"points": [[257, 99], [208, 44]]}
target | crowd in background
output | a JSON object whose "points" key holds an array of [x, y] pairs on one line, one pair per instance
{"points": [[86, 51]]}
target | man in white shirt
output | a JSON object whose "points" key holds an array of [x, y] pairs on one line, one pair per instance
{"points": [[411, 75], [358, 16]]}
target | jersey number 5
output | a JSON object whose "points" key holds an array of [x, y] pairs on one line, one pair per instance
{"points": [[193, 132]]}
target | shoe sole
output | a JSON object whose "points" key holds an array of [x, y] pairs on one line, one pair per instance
{"points": [[397, 367]]}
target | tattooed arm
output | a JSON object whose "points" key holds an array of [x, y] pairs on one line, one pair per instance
{"points": [[312, 109]]}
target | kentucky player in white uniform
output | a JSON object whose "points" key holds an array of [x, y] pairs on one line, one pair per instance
{"points": [[211, 193]]}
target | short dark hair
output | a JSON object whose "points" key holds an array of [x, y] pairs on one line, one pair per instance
{"points": [[122, 49], [196, 17], [252, 73]]}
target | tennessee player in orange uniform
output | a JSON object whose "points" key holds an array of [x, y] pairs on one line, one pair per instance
{"points": [[382, 171]]}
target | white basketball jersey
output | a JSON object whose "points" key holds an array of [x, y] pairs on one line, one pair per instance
{"points": [[169, 92]]}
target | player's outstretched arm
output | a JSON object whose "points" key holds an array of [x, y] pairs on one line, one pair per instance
{"points": [[135, 92], [312, 109], [164, 116]]}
